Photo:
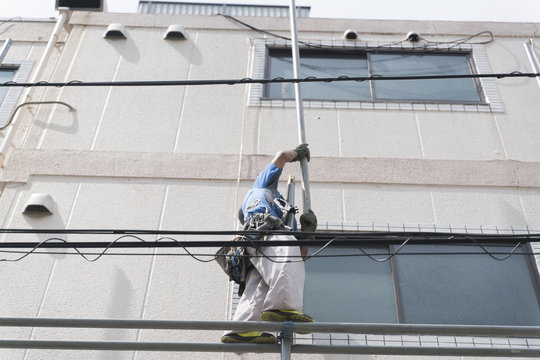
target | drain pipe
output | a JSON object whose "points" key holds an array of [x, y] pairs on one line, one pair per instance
{"points": [[529, 48], [10, 133], [4, 50]]}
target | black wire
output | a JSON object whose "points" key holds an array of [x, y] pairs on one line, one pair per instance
{"points": [[375, 77], [11, 20], [454, 253], [429, 43], [252, 241], [390, 236]]}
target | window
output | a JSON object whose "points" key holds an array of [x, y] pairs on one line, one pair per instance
{"points": [[335, 63], [18, 72], [424, 284], [6, 74]]}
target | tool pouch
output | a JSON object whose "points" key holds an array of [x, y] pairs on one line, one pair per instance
{"points": [[235, 263]]}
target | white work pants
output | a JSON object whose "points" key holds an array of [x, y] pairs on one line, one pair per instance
{"points": [[272, 285]]}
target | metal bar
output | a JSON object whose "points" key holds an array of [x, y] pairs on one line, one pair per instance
{"points": [[415, 350], [328, 327], [266, 348], [138, 346], [4, 50], [299, 105], [290, 200], [286, 340], [533, 60]]}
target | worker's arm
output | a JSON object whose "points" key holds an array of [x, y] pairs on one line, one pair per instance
{"points": [[285, 156], [308, 220]]}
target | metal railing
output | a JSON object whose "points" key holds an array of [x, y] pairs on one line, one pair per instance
{"points": [[285, 329]]}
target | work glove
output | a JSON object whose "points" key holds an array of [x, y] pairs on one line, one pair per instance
{"points": [[308, 221], [302, 151]]}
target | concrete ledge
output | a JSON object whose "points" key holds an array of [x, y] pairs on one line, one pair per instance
{"points": [[22, 164], [368, 26]]}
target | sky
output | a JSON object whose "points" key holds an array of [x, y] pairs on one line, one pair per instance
{"points": [[468, 10]]}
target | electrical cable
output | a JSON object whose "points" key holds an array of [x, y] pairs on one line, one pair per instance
{"points": [[387, 236], [318, 256], [464, 40], [58, 242], [78, 83], [9, 21], [429, 43], [71, 108], [494, 257], [390, 256]]}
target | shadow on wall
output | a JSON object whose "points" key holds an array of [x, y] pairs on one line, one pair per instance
{"points": [[120, 300], [187, 49], [48, 222], [514, 216], [126, 48], [68, 127]]}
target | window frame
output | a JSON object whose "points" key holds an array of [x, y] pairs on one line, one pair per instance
{"points": [[368, 53], [529, 262], [22, 71], [490, 96]]}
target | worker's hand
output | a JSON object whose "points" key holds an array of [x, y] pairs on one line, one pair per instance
{"points": [[308, 221], [302, 151]]}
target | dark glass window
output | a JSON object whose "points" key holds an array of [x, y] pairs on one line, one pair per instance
{"points": [[336, 63], [5, 76], [424, 284]]}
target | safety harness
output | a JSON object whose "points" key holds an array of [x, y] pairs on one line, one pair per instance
{"points": [[234, 260]]}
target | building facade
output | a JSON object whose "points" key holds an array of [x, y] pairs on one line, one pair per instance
{"points": [[449, 156]]}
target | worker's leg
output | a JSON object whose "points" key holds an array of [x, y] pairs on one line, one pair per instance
{"points": [[249, 309], [284, 273], [251, 303]]}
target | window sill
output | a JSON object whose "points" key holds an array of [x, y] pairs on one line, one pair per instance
{"points": [[371, 105]]}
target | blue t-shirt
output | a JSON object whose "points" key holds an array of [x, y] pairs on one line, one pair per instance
{"points": [[261, 196]]}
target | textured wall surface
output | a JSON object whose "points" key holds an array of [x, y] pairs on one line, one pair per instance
{"points": [[181, 158]]}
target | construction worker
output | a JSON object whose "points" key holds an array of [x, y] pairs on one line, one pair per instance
{"points": [[274, 287]]}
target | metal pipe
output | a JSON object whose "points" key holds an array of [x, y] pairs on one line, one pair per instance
{"points": [[533, 60], [4, 50], [267, 348], [290, 199], [286, 337], [299, 105], [10, 134], [327, 327], [137, 346]]}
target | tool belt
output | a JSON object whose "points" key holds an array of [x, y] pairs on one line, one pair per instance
{"points": [[234, 260], [235, 263]]}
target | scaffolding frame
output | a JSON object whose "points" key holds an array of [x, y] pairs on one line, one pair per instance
{"points": [[286, 348]]}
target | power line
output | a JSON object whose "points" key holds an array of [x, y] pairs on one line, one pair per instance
{"points": [[344, 255], [427, 46], [135, 83], [320, 235], [256, 242]]}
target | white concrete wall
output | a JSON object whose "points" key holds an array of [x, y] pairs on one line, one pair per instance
{"points": [[158, 179]]}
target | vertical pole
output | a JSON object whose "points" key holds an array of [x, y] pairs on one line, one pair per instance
{"points": [[299, 105], [529, 48], [286, 340], [290, 199], [4, 50]]}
